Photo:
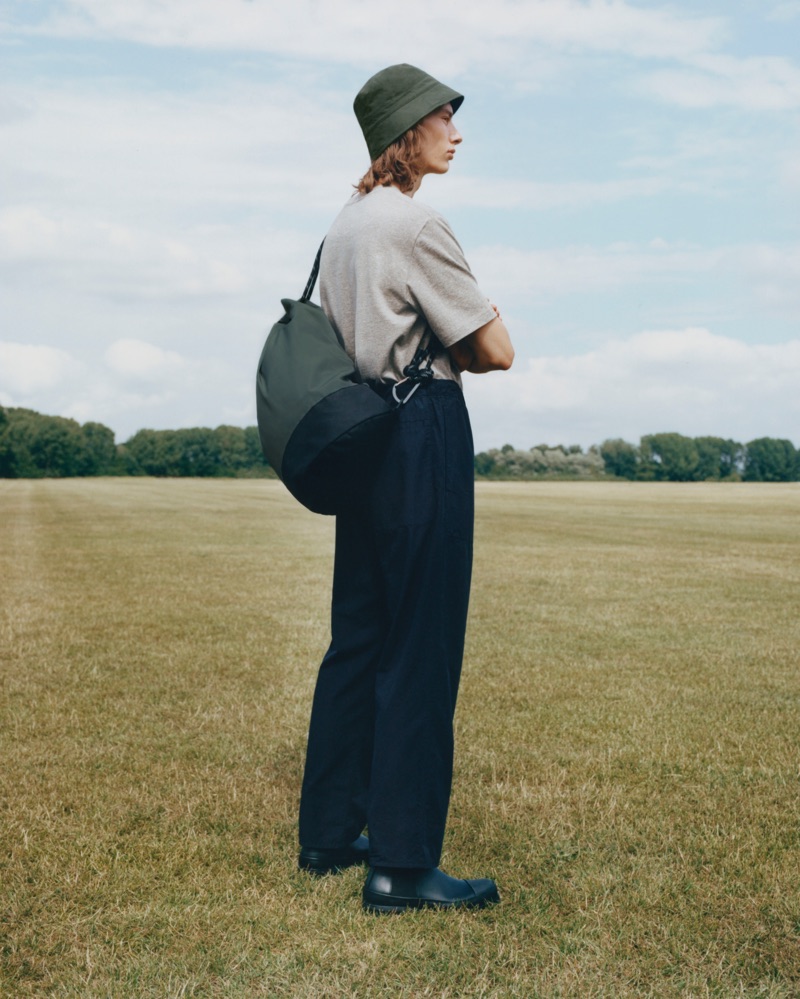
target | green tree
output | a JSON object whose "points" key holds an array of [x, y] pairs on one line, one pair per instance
{"points": [[718, 458], [769, 459], [231, 449], [19, 433], [620, 458], [6, 449], [56, 446], [99, 450], [42, 446], [253, 453], [145, 453], [33, 445], [484, 464], [193, 452], [670, 457]]}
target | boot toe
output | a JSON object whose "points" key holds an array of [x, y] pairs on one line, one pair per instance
{"points": [[392, 890]]}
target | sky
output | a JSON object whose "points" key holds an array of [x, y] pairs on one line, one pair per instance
{"points": [[627, 193]]}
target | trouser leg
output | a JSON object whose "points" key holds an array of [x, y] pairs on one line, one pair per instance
{"points": [[386, 691], [416, 691], [425, 547], [333, 803]]}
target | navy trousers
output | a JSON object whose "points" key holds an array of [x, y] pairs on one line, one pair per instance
{"points": [[380, 743]]}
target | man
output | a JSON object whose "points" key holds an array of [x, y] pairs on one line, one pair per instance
{"points": [[396, 287]]}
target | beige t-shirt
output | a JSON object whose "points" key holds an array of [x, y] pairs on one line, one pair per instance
{"points": [[391, 269]]}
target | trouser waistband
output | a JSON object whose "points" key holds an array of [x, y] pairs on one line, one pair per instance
{"points": [[438, 385]]}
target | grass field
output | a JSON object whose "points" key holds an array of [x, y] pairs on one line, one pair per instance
{"points": [[628, 747]]}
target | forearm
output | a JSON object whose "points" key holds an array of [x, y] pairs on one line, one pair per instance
{"points": [[487, 349], [482, 368]]}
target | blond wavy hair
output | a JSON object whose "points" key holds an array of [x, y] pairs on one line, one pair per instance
{"points": [[396, 165]]}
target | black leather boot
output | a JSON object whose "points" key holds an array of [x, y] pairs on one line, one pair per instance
{"points": [[392, 889], [317, 860]]}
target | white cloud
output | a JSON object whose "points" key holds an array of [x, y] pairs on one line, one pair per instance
{"points": [[254, 147], [26, 233], [771, 272], [127, 196], [790, 170], [143, 360], [349, 31], [27, 369], [142, 384], [133, 384], [531, 41], [786, 11], [135, 163], [753, 84], [590, 268], [106, 258], [776, 274], [586, 269], [690, 381], [698, 159], [534, 195]]}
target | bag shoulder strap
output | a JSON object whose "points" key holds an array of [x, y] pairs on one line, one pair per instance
{"points": [[312, 277]]}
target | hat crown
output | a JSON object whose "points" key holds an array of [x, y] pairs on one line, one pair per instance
{"points": [[394, 100]]}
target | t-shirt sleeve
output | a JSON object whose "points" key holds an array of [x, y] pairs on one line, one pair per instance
{"points": [[442, 286]]}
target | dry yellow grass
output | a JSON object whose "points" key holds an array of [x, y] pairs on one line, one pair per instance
{"points": [[628, 763]]}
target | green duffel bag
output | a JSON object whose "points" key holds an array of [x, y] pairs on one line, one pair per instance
{"points": [[322, 429]]}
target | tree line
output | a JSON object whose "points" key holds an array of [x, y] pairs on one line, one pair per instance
{"points": [[33, 445], [666, 457], [675, 458]]}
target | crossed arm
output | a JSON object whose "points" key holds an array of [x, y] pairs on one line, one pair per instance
{"points": [[486, 349]]}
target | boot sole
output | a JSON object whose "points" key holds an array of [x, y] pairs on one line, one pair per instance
{"points": [[383, 909]]}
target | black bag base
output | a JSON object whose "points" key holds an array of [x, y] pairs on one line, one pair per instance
{"points": [[345, 454]]}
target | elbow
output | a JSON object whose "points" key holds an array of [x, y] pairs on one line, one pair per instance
{"points": [[507, 359], [502, 359], [500, 348]]}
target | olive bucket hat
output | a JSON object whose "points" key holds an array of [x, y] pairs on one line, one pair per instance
{"points": [[396, 98]]}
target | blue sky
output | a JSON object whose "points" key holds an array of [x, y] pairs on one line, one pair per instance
{"points": [[627, 193]]}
